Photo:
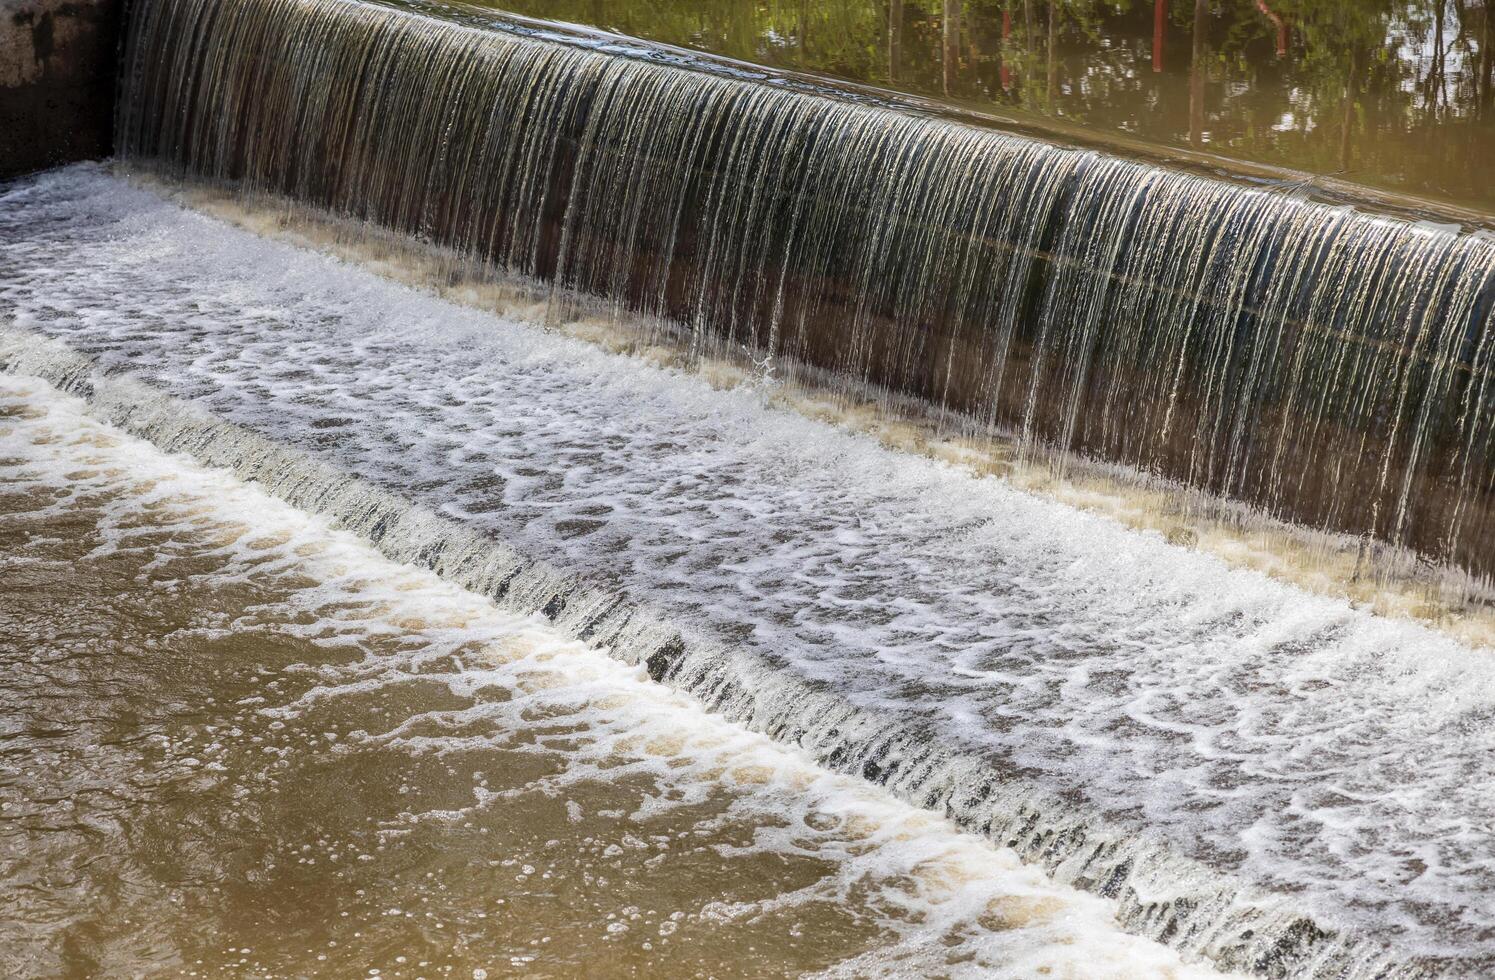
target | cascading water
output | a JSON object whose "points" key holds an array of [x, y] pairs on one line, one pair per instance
{"points": [[1326, 365], [1158, 893], [1273, 780]]}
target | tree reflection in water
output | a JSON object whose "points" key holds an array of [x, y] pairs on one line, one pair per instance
{"points": [[1396, 94]]}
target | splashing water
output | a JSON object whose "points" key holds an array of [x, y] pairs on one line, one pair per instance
{"points": [[244, 743]]}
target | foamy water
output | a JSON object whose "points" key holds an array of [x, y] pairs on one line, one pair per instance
{"points": [[1287, 739], [247, 714]]}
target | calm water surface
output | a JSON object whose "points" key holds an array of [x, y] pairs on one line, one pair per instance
{"points": [[239, 743], [1395, 94]]}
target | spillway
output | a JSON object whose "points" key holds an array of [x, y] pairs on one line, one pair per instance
{"points": [[1265, 779], [1324, 364]]}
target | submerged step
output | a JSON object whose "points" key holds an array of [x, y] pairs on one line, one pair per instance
{"points": [[1273, 780], [412, 779], [1159, 895]]}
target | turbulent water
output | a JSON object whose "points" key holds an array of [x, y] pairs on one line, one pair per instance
{"points": [[241, 743], [1197, 742], [1327, 365]]}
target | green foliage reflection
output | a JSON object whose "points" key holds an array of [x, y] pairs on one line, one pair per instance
{"points": [[1393, 93]]}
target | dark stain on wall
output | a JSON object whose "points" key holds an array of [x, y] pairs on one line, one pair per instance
{"points": [[57, 77]]}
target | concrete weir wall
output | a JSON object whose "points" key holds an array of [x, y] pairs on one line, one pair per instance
{"points": [[57, 75]]}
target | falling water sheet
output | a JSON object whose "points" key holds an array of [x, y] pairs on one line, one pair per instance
{"points": [[1284, 738], [1324, 364]]}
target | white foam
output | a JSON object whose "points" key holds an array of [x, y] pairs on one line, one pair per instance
{"points": [[1289, 739]]}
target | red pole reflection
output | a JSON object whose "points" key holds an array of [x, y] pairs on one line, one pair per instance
{"points": [[1006, 34], [1280, 24], [1159, 18], [1196, 73]]}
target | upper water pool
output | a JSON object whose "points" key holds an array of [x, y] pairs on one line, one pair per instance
{"points": [[1391, 94]]}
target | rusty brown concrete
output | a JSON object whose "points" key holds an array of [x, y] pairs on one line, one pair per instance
{"points": [[57, 74]]}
